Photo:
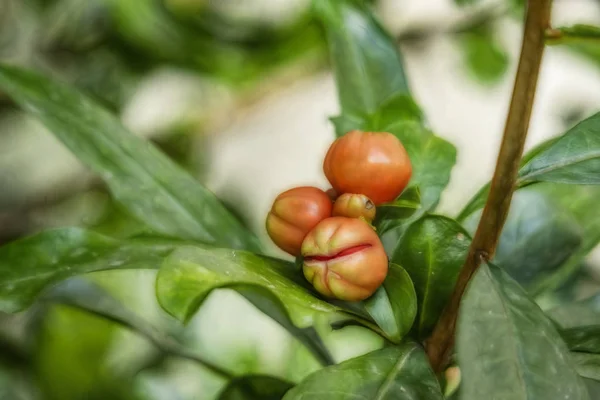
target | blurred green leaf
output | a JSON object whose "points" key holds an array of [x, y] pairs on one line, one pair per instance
{"points": [[581, 202], [190, 274], [506, 345], [573, 158], [28, 265], [574, 33], [537, 238], [90, 298], [587, 365], [368, 67], [583, 339], [579, 313], [432, 251], [485, 58], [401, 372], [141, 178], [255, 388], [394, 305]]}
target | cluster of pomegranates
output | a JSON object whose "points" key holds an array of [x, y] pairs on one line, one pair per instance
{"points": [[342, 254]]}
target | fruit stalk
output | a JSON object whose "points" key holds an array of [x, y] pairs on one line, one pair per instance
{"points": [[537, 20]]}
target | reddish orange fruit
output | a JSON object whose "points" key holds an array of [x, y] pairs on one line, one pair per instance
{"points": [[344, 259], [375, 164], [294, 213]]}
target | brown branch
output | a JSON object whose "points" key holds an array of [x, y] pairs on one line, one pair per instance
{"points": [[537, 20]]}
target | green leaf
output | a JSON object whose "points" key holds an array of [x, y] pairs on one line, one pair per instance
{"points": [[584, 339], [146, 182], [507, 348], [579, 313], [28, 265], [255, 387], [402, 208], [394, 305], [401, 372], [91, 298], [573, 158], [587, 365], [575, 33], [485, 58], [190, 274], [368, 67], [537, 238], [432, 251]]}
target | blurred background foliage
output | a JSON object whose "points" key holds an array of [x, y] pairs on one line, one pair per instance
{"points": [[178, 72]]}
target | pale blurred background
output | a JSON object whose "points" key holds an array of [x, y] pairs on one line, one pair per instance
{"points": [[250, 124]]}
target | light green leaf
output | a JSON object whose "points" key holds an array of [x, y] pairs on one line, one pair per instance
{"points": [[394, 305], [189, 275], [485, 57], [146, 182], [507, 348], [573, 158], [401, 372], [432, 251], [28, 265]]}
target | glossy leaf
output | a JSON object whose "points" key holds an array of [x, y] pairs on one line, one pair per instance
{"points": [[587, 365], [583, 338], [189, 275], [257, 387], [28, 265], [537, 238], [368, 67], [580, 313], [146, 182], [574, 158], [507, 348], [432, 251], [91, 298], [401, 372], [394, 305]]}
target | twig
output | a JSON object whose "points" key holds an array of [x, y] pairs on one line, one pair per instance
{"points": [[483, 247]]}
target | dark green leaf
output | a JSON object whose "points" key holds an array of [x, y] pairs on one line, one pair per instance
{"points": [[153, 188], [580, 201], [573, 158], [368, 67], [394, 305], [432, 251], [507, 348], [583, 338], [402, 208], [587, 365], [580, 313], [28, 265], [401, 372], [91, 298], [537, 238], [189, 275], [257, 387]]}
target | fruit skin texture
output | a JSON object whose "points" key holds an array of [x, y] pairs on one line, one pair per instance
{"points": [[375, 164], [354, 206], [344, 259], [294, 213]]}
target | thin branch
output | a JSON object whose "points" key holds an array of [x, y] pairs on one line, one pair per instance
{"points": [[573, 34], [483, 247]]}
